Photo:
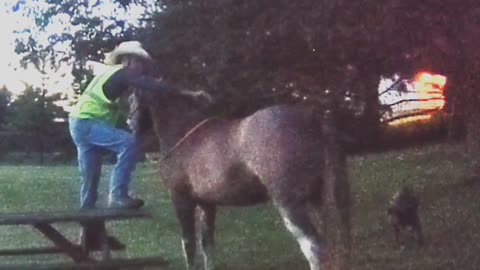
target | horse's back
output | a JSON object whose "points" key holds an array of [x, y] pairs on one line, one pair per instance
{"points": [[283, 146], [281, 129], [244, 161], [216, 173]]}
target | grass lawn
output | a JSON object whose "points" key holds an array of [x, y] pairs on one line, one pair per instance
{"points": [[254, 238]]}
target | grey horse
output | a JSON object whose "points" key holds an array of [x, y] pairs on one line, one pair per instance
{"points": [[287, 154]]}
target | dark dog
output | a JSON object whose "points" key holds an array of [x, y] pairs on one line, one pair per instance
{"points": [[403, 214]]}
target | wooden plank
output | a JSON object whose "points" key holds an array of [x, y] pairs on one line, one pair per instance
{"points": [[30, 251], [120, 263], [99, 214], [114, 246], [73, 251]]}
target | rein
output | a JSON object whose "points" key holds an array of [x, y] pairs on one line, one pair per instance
{"points": [[182, 140]]}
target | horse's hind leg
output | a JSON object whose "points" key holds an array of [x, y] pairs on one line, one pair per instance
{"points": [[207, 223], [299, 223], [185, 210]]}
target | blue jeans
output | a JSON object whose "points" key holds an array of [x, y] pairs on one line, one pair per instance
{"points": [[91, 137]]}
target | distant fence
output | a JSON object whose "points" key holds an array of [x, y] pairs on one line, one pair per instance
{"points": [[26, 147]]}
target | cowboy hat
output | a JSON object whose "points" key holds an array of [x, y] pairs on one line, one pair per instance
{"points": [[127, 48]]}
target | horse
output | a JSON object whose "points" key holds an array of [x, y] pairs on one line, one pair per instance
{"points": [[288, 154]]}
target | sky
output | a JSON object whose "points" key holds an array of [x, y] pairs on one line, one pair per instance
{"points": [[11, 74], [14, 77]]}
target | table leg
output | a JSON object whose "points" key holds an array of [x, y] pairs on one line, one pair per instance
{"points": [[61, 242]]}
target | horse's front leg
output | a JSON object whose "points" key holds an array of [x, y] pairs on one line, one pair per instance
{"points": [[185, 210], [207, 223]]}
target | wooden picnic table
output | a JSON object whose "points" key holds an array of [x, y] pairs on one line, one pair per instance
{"points": [[94, 238]]}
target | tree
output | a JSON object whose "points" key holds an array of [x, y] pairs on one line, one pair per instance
{"points": [[83, 30], [243, 50], [5, 98], [442, 36], [249, 54], [33, 115]]}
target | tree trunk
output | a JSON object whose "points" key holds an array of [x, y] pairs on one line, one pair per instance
{"points": [[456, 123], [41, 148], [472, 141]]}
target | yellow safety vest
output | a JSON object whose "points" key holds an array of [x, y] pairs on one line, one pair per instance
{"points": [[93, 104]]}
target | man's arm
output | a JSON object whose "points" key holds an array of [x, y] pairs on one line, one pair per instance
{"points": [[148, 83], [118, 84]]}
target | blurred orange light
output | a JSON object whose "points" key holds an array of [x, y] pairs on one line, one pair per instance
{"points": [[424, 96], [406, 120], [429, 89], [429, 81]]}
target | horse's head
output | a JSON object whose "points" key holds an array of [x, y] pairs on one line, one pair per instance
{"points": [[173, 113]]}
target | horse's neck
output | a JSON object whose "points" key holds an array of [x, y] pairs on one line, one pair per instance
{"points": [[178, 126]]}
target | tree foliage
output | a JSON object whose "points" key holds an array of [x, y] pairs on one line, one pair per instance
{"points": [[245, 50], [442, 36], [33, 110], [32, 117], [251, 53], [75, 31], [5, 98]]}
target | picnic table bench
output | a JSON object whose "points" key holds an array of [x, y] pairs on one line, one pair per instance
{"points": [[94, 238]]}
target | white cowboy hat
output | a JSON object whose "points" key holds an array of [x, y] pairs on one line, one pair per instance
{"points": [[124, 48]]}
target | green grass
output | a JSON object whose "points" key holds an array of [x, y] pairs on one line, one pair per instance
{"points": [[255, 238]]}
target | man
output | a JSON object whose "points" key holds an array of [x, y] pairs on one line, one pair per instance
{"points": [[93, 125]]}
